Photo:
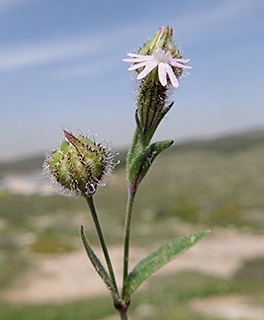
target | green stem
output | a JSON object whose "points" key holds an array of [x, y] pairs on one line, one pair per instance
{"points": [[135, 146], [91, 205], [130, 202], [123, 315]]}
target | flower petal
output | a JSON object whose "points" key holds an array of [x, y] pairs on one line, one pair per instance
{"points": [[162, 73], [128, 60], [175, 63], [149, 67], [173, 79], [182, 66], [181, 60], [137, 65], [134, 60]]}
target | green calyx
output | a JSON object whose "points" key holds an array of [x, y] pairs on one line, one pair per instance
{"points": [[151, 101], [163, 38], [79, 164]]}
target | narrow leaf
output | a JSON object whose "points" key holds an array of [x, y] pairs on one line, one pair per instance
{"points": [[142, 162], [158, 258], [154, 150], [97, 264]]}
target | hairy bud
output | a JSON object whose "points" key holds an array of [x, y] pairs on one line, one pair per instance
{"points": [[79, 165]]}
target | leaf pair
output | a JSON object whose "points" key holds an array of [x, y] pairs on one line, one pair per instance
{"points": [[147, 266]]}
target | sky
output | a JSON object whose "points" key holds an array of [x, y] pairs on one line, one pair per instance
{"points": [[61, 67]]}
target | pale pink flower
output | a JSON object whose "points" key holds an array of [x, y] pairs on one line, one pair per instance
{"points": [[161, 59]]}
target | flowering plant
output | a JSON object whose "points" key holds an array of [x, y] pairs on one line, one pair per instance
{"points": [[79, 165]]}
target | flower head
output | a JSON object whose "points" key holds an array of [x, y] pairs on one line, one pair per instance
{"points": [[79, 165], [159, 65], [161, 59]]}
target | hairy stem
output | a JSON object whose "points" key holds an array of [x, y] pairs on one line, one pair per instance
{"points": [[130, 203], [91, 205]]}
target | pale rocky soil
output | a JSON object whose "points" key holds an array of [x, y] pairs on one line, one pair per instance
{"points": [[232, 307], [70, 276]]}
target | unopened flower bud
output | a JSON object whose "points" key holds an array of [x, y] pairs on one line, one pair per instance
{"points": [[79, 165]]}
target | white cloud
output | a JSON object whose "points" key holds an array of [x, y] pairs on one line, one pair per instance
{"points": [[192, 26], [16, 56]]}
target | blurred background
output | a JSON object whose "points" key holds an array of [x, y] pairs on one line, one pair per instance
{"points": [[60, 67]]}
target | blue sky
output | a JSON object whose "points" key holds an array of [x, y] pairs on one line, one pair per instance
{"points": [[60, 66]]}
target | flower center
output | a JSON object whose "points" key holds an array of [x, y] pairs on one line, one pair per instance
{"points": [[161, 56]]}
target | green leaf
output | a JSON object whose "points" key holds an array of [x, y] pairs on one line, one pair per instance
{"points": [[158, 258], [142, 162], [98, 265]]}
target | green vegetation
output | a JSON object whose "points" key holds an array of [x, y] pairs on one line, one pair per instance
{"points": [[195, 185], [22, 165], [78, 310], [51, 244], [168, 294]]}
